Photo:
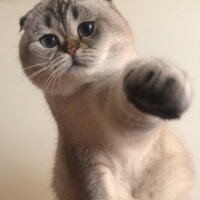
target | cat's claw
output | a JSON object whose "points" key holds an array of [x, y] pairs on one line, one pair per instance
{"points": [[157, 88]]}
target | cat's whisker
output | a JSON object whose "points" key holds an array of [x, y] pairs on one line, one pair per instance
{"points": [[51, 82], [19, 72], [55, 81], [37, 73], [52, 90], [31, 67], [48, 82], [32, 76], [37, 65], [56, 60], [59, 80]]}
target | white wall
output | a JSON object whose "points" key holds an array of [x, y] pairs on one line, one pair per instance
{"points": [[165, 28]]}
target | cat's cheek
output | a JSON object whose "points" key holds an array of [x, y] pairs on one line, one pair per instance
{"points": [[37, 50]]}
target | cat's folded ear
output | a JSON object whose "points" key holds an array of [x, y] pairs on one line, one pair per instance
{"points": [[23, 19], [22, 22]]}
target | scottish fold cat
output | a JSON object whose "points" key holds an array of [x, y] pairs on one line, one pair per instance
{"points": [[111, 106]]}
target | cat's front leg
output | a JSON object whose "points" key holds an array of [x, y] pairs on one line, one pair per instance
{"points": [[157, 87]]}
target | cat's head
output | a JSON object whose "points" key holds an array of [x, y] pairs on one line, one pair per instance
{"points": [[69, 43]]}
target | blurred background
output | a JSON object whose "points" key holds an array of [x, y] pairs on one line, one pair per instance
{"points": [[166, 28]]}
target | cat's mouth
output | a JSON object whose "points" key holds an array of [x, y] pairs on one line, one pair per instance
{"points": [[76, 63]]}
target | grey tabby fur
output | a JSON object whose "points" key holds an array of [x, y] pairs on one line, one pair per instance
{"points": [[109, 104]]}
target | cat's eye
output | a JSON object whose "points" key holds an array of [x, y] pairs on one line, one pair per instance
{"points": [[86, 29], [49, 41]]}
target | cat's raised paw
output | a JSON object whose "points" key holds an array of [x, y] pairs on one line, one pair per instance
{"points": [[157, 88]]}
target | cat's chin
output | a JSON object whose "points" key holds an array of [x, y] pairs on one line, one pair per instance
{"points": [[71, 80]]}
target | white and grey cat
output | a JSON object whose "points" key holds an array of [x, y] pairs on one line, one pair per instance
{"points": [[110, 105]]}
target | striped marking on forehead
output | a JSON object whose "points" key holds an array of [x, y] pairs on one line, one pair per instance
{"points": [[47, 20], [59, 11], [62, 8], [75, 12]]}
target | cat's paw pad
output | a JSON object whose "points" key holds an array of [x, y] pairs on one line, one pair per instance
{"points": [[155, 88]]}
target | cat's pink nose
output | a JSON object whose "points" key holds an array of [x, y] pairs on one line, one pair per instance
{"points": [[72, 46], [71, 51]]}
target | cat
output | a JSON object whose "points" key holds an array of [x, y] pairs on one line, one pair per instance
{"points": [[111, 106]]}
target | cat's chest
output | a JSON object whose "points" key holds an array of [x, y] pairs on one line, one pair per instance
{"points": [[128, 164], [123, 171]]}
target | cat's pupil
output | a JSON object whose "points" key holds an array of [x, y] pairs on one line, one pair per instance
{"points": [[86, 29], [49, 41]]}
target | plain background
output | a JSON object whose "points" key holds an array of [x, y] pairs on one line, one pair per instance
{"points": [[164, 28]]}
